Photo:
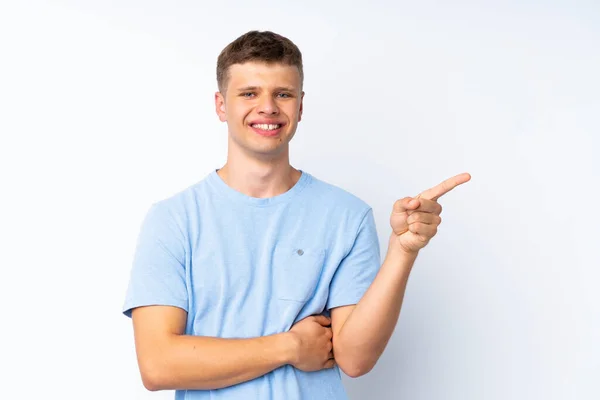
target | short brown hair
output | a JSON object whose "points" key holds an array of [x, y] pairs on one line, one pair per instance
{"points": [[263, 46]]}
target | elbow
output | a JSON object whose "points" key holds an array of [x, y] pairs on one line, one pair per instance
{"points": [[355, 359], [152, 381], [151, 385], [353, 365], [355, 370], [153, 377]]}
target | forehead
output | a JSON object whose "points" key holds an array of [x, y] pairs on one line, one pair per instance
{"points": [[263, 75]]}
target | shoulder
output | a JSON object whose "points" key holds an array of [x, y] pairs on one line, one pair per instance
{"points": [[337, 198], [179, 207]]}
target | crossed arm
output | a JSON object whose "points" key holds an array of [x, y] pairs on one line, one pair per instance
{"points": [[168, 359]]}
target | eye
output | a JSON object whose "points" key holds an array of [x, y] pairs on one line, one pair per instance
{"points": [[284, 95], [247, 94]]}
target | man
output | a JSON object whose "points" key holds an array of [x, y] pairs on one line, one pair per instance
{"points": [[261, 281]]}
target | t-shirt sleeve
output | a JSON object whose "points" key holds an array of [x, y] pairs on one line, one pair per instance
{"points": [[358, 269], [158, 275]]}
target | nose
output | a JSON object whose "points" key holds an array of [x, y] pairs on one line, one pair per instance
{"points": [[267, 105]]}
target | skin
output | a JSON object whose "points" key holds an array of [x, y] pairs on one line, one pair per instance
{"points": [[415, 221], [259, 166]]}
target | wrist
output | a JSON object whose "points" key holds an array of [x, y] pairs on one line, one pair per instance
{"points": [[289, 347], [397, 252], [395, 247]]}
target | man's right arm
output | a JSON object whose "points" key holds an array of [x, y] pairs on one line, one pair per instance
{"points": [[168, 359]]}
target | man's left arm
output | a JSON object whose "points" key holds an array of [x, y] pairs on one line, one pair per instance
{"points": [[361, 332]]}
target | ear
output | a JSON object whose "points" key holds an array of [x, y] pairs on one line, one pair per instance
{"points": [[301, 106], [220, 106]]}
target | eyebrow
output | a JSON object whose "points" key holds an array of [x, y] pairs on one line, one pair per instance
{"points": [[256, 88]]}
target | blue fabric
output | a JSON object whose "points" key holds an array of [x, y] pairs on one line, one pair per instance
{"points": [[244, 267]]}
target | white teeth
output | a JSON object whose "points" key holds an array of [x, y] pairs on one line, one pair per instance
{"points": [[266, 127]]}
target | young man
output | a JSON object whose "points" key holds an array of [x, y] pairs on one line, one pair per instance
{"points": [[261, 281]]}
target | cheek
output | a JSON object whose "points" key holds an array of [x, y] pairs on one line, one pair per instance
{"points": [[238, 111], [293, 112]]}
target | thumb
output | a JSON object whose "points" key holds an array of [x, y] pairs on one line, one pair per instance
{"points": [[323, 320], [406, 204]]}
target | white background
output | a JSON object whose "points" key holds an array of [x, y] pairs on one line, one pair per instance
{"points": [[107, 106]]}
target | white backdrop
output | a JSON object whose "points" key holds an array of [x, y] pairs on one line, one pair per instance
{"points": [[106, 107]]}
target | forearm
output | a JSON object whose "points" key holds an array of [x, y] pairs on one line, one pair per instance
{"points": [[367, 330], [196, 362]]}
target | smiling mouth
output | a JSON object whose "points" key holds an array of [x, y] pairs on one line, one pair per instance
{"points": [[266, 127]]}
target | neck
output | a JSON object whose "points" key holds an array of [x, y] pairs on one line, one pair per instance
{"points": [[258, 178]]}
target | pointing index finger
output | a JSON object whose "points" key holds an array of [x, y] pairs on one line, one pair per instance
{"points": [[438, 191]]}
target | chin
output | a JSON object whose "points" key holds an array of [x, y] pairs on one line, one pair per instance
{"points": [[263, 147], [267, 151]]}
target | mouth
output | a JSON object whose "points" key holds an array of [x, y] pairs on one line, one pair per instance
{"points": [[267, 129]]}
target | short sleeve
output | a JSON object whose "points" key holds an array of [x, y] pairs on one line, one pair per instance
{"points": [[358, 269], [158, 275]]}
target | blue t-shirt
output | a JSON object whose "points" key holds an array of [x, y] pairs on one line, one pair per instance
{"points": [[245, 267]]}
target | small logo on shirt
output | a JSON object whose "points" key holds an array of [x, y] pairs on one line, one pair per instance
{"points": [[300, 252]]}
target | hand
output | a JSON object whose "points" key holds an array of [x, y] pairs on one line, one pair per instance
{"points": [[313, 343], [415, 221]]}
